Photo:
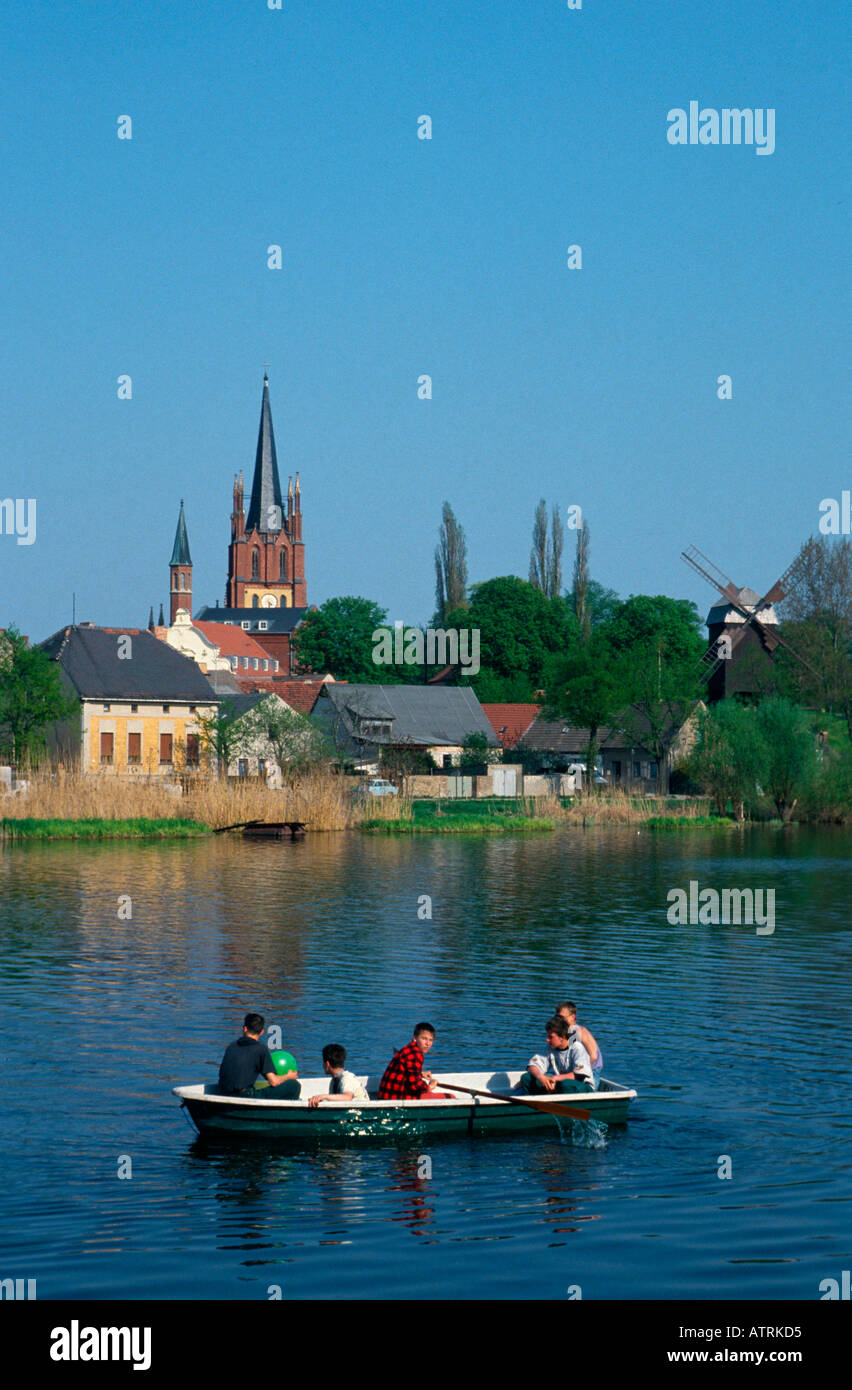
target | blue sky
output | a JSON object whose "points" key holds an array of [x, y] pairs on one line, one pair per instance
{"points": [[402, 257]]}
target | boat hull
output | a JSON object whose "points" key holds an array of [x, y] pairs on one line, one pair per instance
{"points": [[338, 1123]]}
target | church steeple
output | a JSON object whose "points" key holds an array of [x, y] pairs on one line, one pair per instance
{"points": [[265, 513], [180, 569]]}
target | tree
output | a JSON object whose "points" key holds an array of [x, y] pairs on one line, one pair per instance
{"points": [[519, 629], [338, 637], [32, 697], [816, 618], [450, 566], [729, 760], [476, 749], [546, 554], [671, 625], [791, 757], [222, 735], [580, 594], [589, 687], [296, 742]]}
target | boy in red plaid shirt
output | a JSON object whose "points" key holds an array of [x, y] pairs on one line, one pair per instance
{"points": [[404, 1077]]}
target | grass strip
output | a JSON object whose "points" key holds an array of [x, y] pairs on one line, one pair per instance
{"points": [[99, 828], [458, 825]]}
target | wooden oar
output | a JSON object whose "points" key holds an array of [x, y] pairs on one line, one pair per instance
{"points": [[549, 1107]]}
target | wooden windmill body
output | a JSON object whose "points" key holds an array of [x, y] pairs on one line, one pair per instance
{"points": [[743, 631]]}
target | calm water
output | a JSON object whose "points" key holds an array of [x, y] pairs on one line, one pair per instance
{"points": [[739, 1044]]}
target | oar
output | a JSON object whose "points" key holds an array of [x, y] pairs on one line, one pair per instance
{"points": [[549, 1107]]}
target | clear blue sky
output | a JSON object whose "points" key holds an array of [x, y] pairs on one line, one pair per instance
{"points": [[402, 257]]}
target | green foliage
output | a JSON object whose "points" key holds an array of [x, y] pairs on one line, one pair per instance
{"points": [[32, 697], [476, 749], [338, 637], [296, 742], [791, 765], [668, 625], [221, 734], [730, 756], [519, 627]]}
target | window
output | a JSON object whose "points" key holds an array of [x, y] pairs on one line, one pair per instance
{"points": [[637, 770], [134, 709], [265, 664], [107, 743], [255, 563], [262, 626], [166, 709], [242, 767], [282, 564], [255, 603], [134, 748], [244, 662], [616, 768], [193, 750], [192, 709], [261, 767], [245, 624], [166, 748], [655, 770], [106, 706], [275, 665]]}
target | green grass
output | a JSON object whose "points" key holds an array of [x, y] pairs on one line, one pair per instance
{"points": [[462, 818], [96, 828]]}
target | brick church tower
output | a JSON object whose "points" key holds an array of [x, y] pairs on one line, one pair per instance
{"points": [[180, 569], [266, 557]]}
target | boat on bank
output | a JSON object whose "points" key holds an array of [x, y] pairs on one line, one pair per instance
{"points": [[335, 1120]]}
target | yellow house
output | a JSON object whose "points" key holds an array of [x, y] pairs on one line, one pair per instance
{"points": [[142, 704]]}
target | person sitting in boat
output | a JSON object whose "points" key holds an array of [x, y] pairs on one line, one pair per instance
{"points": [[565, 1067], [404, 1077], [568, 1011], [344, 1084], [248, 1058]]}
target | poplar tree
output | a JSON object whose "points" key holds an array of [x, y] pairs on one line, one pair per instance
{"points": [[450, 566]]}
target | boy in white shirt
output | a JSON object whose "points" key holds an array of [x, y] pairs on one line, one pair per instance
{"points": [[565, 1067], [344, 1085]]}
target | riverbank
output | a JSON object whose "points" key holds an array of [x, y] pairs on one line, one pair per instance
{"points": [[98, 828]]}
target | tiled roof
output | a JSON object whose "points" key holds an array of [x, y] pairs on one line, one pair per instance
{"points": [[231, 641], [514, 718], [90, 658]]}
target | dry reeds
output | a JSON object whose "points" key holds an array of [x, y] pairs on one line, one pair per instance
{"points": [[615, 808], [320, 798]]}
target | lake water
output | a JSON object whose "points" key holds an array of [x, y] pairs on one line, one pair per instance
{"points": [[738, 1044]]}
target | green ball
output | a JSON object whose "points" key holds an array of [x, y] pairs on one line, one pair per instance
{"points": [[283, 1062]]}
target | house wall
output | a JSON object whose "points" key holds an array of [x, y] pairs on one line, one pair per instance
{"points": [[150, 721]]}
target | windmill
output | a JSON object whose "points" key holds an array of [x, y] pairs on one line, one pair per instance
{"points": [[743, 615]]}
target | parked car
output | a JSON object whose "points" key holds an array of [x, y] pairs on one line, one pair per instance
{"points": [[377, 786]]}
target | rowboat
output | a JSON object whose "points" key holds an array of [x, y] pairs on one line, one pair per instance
{"points": [[395, 1119]]}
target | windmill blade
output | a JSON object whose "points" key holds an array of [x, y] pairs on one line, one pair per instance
{"points": [[792, 650], [712, 574], [711, 660], [780, 587]]}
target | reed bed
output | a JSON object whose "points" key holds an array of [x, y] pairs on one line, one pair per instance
{"points": [[320, 798], [618, 808]]}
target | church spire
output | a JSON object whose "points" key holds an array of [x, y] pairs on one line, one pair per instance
{"points": [[180, 549], [265, 511]]}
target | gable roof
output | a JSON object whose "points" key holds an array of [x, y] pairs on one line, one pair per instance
{"points": [[558, 736], [422, 716], [89, 658], [515, 719]]}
